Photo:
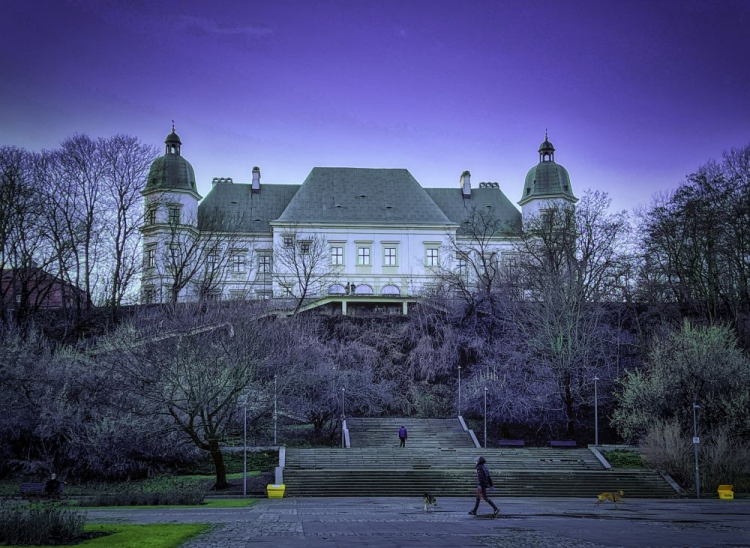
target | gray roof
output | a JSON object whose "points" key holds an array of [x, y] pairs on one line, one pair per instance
{"points": [[368, 196], [547, 179], [487, 200], [171, 172], [234, 208]]}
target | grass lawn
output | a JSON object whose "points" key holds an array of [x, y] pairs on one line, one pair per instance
{"points": [[160, 535], [212, 503], [623, 459]]}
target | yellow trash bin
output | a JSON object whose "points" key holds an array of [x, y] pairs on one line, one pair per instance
{"points": [[276, 490], [725, 492]]}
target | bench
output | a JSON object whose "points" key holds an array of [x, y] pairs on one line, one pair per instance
{"points": [[563, 444], [511, 443], [37, 490]]}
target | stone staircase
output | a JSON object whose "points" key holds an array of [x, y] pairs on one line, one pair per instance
{"points": [[422, 433], [439, 459]]}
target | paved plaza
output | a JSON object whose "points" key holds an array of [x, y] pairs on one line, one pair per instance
{"points": [[396, 522]]}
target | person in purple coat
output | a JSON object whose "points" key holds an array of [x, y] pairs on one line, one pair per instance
{"points": [[402, 436]]}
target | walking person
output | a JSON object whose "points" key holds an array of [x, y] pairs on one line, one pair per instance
{"points": [[484, 482], [402, 436]]}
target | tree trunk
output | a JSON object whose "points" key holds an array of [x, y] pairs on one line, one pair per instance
{"points": [[569, 412], [221, 471]]}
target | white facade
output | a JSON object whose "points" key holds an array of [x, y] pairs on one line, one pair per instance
{"points": [[351, 231]]}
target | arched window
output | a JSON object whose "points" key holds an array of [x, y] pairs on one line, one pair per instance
{"points": [[336, 289], [391, 290], [363, 289]]}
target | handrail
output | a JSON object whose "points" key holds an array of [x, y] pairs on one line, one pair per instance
{"points": [[471, 432], [280, 468], [345, 432], [601, 458]]}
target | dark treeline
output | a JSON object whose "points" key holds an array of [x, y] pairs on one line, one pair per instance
{"points": [[655, 308]]}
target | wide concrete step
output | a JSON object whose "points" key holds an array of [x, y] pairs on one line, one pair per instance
{"points": [[395, 458], [641, 483]]}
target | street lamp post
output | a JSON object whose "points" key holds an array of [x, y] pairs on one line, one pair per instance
{"points": [[343, 416], [485, 417], [459, 390], [275, 414], [596, 412], [244, 447], [696, 443]]}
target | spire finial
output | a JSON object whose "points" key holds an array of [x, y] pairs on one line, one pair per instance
{"points": [[545, 132], [172, 126]]}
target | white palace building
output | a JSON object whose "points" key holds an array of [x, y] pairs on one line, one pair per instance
{"points": [[345, 235]]}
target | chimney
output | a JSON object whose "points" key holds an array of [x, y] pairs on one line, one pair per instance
{"points": [[256, 179], [466, 184]]}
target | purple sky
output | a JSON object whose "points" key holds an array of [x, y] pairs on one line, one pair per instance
{"points": [[635, 94]]}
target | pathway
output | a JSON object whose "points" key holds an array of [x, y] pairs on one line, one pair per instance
{"points": [[401, 522]]}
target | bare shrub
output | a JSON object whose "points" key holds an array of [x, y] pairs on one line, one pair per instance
{"points": [[665, 447], [136, 496], [723, 457], [45, 523]]}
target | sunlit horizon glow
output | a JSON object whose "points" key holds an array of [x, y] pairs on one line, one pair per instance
{"points": [[635, 95]]}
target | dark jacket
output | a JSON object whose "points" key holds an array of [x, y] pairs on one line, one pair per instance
{"points": [[484, 480], [402, 432]]}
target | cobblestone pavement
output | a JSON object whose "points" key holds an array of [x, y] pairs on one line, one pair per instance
{"points": [[397, 522]]}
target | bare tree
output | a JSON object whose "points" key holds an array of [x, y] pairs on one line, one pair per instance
{"points": [[25, 251], [696, 243], [571, 261], [126, 162], [302, 265], [196, 376], [75, 194]]}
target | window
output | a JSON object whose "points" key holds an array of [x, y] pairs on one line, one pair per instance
{"points": [[238, 263], [336, 289], [363, 289], [304, 248], [462, 267], [288, 241], [363, 256], [432, 257], [337, 255], [151, 216], [264, 266], [390, 256], [213, 261], [151, 257], [390, 290], [174, 215], [149, 295]]}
